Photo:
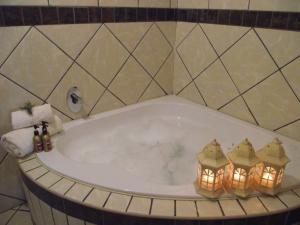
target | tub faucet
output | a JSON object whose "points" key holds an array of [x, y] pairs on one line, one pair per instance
{"points": [[75, 98]]}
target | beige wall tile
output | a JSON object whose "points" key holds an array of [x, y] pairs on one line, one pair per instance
{"points": [[59, 217], [231, 207], [272, 204], [229, 34], [5, 216], [97, 198], [238, 109], [46, 212], [243, 64], [182, 31], [36, 173], [193, 4], [153, 50], [62, 186], [270, 100], [74, 2], [90, 90], [132, 75], [174, 3], [162, 207], [103, 56], [216, 86], [208, 208], [289, 198], [30, 164], [196, 52], [119, 3], [139, 205], [292, 130], [228, 4], [9, 38], [36, 208], [71, 38], [130, 34], [169, 30], [181, 75], [21, 217], [292, 74], [74, 221], [275, 5], [24, 2], [78, 192], [186, 209], [153, 91], [106, 103], [155, 3], [33, 57], [17, 98], [165, 75], [191, 93], [252, 206], [283, 45], [117, 202], [48, 179]]}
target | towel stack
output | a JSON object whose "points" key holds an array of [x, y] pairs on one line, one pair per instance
{"points": [[19, 142]]}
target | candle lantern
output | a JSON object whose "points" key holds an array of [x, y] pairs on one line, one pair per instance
{"points": [[241, 170], [271, 169], [211, 169]]}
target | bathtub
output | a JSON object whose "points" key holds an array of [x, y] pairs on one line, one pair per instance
{"points": [[150, 148]]}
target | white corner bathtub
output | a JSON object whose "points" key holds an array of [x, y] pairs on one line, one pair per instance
{"points": [[150, 148]]}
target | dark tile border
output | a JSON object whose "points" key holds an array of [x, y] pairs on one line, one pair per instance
{"points": [[102, 217], [24, 15]]}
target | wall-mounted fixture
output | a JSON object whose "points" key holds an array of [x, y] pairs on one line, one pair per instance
{"points": [[271, 169], [74, 100], [211, 169]]}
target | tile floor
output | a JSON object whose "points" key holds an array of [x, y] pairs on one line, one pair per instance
{"points": [[19, 215]]}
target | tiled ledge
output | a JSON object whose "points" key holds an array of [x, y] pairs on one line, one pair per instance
{"points": [[87, 202]]}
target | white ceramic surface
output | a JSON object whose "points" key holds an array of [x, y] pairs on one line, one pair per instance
{"points": [[150, 148]]}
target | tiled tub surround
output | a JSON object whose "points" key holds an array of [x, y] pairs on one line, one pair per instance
{"points": [[57, 199]]}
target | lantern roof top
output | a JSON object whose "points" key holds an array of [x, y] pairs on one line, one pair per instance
{"points": [[243, 154], [212, 155], [273, 153]]}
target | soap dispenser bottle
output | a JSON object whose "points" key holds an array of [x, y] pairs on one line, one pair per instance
{"points": [[37, 140], [46, 138]]}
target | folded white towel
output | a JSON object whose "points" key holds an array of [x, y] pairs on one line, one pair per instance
{"points": [[21, 119], [19, 143]]}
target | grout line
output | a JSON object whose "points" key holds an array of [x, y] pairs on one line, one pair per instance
{"points": [[276, 196], [61, 112], [106, 200], [151, 204], [55, 183], [33, 168], [163, 34], [42, 175], [129, 203], [238, 201], [249, 2], [69, 188], [185, 37], [87, 194], [175, 208], [195, 202], [276, 64], [4, 157], [13, 197], [222, 211], [287, 124], [267, 210], [18, 44], [11, 217]]}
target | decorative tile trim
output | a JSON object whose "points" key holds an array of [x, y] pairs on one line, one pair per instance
{"points": [[23, 15]]}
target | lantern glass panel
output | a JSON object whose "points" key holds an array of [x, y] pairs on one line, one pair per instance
{"points": [[280, 176], [207, 179], [268, 177], [219, 179], [239, 178]]}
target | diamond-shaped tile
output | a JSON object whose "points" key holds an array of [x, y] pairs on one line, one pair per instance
{"points": [[238, 109], [191, 93], [90, 90], [153, 50], [62, 34], [106, 103], [248, 62], [132, 75], [291, 130], [223, 36], [292, 74], [9, 38], [130, 34], [165, 75], [12, 97], [153, 91], [36, 64], [216, 86], [283, 45], [196, 52], [104, 56], [181, 75], [273, 103], [182, 31], [169, 30]]}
